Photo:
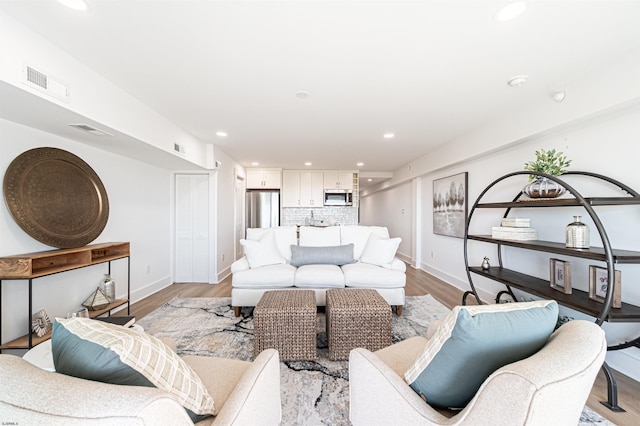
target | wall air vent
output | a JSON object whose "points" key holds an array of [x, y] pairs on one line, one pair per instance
{"points": [[90, 129], [45, 83], [179, 149]]}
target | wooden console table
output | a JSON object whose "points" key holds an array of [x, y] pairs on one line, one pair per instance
{"points": [[35, 265]]}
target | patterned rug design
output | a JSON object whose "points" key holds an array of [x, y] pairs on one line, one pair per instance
{"points": [[313, 392]]}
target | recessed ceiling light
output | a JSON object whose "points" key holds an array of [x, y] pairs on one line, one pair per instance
{"points": [[389, 135], [510, 11], [221, 134], [308, 163], [255, 163], [369, 180], [359, 164], [302, 94], [75, 4], [559, 96], [517, 81]]}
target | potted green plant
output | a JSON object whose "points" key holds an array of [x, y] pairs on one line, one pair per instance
{"points": [[551, 162]]}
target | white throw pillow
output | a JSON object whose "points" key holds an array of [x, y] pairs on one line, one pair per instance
{"points": [[380, 251], [262, 252], [358, 235]]}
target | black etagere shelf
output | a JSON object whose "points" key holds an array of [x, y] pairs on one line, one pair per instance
{"points": [[579, 300]]}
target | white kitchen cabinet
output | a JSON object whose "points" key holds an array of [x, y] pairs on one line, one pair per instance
{"points": [[290, 189], [311, 189], [338, 180], [264, 179], [302, 189]]}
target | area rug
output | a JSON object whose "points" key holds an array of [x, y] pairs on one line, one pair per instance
{"points": [[313, 392]]}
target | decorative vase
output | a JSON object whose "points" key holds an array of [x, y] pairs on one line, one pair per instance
{"points": [[577, 234], [108, 287], [485, 264], [543, 187]]}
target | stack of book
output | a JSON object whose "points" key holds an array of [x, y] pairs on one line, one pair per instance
{"points": [[515, 228], [123, 321]]}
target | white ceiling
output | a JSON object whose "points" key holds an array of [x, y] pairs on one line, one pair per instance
{"points": [[428, 71]]}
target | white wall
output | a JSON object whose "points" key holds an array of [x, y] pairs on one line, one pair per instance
{"points": [[225, 220], [391, 209], [607, 145], [139, 202]]}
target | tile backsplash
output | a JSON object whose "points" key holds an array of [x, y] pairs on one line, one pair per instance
{"points": [[302, 215]]}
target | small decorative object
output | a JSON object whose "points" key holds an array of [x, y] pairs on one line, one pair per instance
{"points": [[551, 162], [82, 313], [599, 284], [98, 300], [108, 287], [485, 264], [560, 273], [40, 323], [577, 234]]}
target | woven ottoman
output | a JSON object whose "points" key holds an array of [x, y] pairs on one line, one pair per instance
{"points": [[356, 318], [286, 320]]}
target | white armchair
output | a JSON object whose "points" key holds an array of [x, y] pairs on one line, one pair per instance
{"points": [[550, 387], [247, 393]]}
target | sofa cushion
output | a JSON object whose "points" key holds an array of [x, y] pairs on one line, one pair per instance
{"points": [[262, 252], [474, 341], [365, 275], [272, 276], [380, 251], [319, 237], [330, 255], [283, 235], [109, 353], [319, 276], [359, 235]]}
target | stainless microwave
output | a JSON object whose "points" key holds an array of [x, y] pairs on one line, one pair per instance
{"points": [[338, 197]]}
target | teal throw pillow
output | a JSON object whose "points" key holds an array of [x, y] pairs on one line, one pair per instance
{"points": [[108, 353], [474, 341]]}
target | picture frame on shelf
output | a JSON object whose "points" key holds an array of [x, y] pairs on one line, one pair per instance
{"points": [[40, 323], [450, 205], [599, 282], [560, 275]]}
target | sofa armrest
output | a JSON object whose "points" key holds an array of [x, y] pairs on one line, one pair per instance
{"points": [[256, 398], [398, 265], [374, 387], [241, 264]]}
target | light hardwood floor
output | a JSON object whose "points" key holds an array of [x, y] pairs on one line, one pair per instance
{"points": [[420, 283]]}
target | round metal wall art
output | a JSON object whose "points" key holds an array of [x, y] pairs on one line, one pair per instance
{"points": [[55, 197]]}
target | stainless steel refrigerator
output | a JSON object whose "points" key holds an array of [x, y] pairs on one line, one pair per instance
{"points": [[263, 208]]}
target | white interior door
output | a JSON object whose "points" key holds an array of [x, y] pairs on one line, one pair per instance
{"points": [[192, 228]]}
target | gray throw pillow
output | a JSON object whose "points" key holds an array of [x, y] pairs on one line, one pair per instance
{"points": [[330, 255]]}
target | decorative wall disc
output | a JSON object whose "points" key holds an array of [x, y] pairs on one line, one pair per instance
{"points": [[56, 197]]}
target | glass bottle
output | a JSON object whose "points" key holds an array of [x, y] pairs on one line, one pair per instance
{"points": [[108, 287], [577, 234]]}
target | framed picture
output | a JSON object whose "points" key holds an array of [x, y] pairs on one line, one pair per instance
{"points": [[560, 274], [599, 283], [450, 205]]}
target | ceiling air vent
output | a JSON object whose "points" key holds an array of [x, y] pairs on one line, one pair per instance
{"points": [[90, 129], [45, 83]]}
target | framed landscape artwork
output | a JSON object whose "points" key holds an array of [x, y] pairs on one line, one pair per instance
{"points": [[450, 205]]}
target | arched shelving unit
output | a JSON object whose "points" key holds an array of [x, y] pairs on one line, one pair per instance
{"points": [[579, 300]]}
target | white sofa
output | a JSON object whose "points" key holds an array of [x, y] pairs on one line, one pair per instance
{"points": [[267, 264]]}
